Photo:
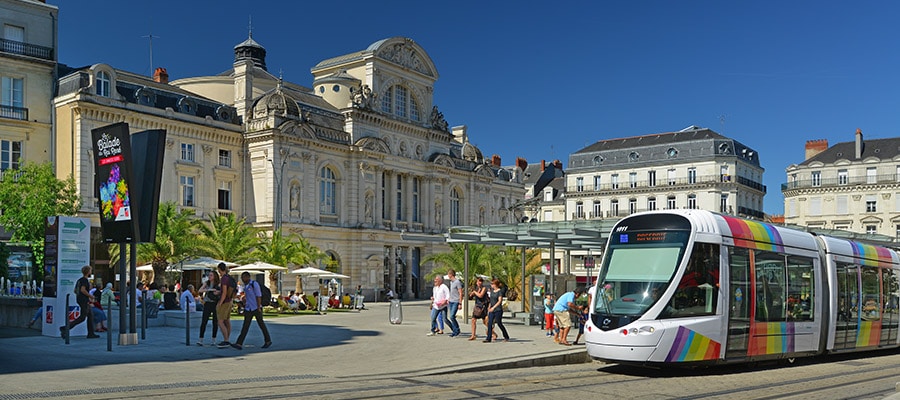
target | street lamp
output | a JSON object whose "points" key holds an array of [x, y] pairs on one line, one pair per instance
{"points": [[279, 178]]}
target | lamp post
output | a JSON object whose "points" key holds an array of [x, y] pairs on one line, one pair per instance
{"points": [[279, 178]]}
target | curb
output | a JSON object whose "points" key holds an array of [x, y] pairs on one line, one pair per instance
{"points": [[572, 357]]}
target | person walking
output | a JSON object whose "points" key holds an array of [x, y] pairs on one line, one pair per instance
{"points": [[223, 307], [456, 295], [210, 291], [252, 308], [495, 311], [440, 296], [84, 298], [562, 314], [482, 302]]}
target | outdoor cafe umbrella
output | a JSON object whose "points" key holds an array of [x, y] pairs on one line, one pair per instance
{"points": [[308, 271], [332, 275], [204, 263], [260, 266]]}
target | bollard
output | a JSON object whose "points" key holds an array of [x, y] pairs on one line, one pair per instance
{"points": [[143, 315], [66, 318], [109, 322], [187, 325]]}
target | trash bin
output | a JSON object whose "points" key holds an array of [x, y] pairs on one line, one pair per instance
{"points": [[396, 314], [323, 303]]}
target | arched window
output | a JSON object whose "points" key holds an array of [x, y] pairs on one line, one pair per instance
{"points": [[327, 192], [103, 82], [399, 101], [454, 207]]}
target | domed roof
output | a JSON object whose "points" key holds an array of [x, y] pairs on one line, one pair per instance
{"points": [[276, 101], [250, 50], [472, 153]]}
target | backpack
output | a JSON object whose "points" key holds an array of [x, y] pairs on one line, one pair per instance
{"points": [[265, 296]]}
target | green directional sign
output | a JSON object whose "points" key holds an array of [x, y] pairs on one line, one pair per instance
{"points": [[80, 225]]}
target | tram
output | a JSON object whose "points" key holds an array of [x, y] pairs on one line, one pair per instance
{"points": [[692, 286]]}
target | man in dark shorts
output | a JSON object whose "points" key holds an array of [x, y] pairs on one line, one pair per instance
{"points": [[223, 309], [84, 298]]}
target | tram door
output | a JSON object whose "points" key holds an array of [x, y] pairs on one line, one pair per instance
{"points": [[738, 303], [846, 326], [890, 318]]}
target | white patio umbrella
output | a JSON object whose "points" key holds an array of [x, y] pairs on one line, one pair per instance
{"points": [[145, 268], [204, 263], [332, 275], [249, 271], [310, 271], [260, 266]]}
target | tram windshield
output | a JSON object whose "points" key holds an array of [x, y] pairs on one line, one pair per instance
{"points": [[637, 269]]}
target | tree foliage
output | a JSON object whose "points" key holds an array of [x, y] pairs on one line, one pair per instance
{"points": [[30, 194], [225, 237], [285, 251]]}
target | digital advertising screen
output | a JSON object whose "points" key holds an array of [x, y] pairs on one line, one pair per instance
{"points": [[113, 178]]}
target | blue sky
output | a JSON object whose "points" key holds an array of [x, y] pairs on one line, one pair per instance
{"points": [[541, 80]]}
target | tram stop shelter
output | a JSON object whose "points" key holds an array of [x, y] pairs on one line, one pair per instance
{"points": [[579, 235]]}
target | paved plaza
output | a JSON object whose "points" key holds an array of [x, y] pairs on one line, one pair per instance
{"points": [[335, 345]]}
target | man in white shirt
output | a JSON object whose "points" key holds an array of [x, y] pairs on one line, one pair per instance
{"points": [[440, 297], [187, 299]]}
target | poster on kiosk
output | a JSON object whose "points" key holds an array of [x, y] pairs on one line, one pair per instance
{"points": [[67, 244]]}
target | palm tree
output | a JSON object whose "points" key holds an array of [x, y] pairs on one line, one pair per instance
{"points": [[284, 251], [482, 259], [175, 240], [510, 271], [228, 238]]}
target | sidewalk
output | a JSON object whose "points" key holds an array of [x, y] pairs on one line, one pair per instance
{"points": [[339, 344]]}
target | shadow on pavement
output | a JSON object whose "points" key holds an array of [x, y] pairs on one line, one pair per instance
{"points": [[164, 344]]}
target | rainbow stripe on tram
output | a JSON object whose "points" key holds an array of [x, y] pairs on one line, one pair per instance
{"points": [[869, 334], [754, 235], [692, 346], [771, 338], [871, 256]]}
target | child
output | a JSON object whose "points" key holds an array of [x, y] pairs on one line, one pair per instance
{"points": [[548, 314]]}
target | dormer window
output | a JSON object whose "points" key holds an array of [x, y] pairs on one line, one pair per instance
{"points": [[397, 100], [102, 83]]}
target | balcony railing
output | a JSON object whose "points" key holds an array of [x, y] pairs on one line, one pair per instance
{"points": [[14, 112], [842, 181], [624, 212], [26, 49], [664, 183]]}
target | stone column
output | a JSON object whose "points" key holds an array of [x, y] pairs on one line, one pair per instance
{"points": [[408, 294]]}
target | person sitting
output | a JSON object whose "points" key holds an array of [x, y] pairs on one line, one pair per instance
{"points": [[302, 303], [188, 301], [170, 299]]}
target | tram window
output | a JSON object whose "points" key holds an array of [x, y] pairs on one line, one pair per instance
{"points": [[847, 292], [871, 294], [739, 263], [800, 293], [698, 290], [770, 285]]}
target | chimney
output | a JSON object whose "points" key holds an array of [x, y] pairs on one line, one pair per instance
{"points": [[521, 163], [557, 164], [543, 165], [859, 143], [814, 147], [160, 75], [495, 160]]}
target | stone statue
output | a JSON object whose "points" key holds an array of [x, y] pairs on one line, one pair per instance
{"points": [[438, 121], [368, 208], [363, 97], [295, 197], [437, 213]]}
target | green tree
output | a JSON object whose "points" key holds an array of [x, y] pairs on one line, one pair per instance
{"points": [[285, 250], [4, 256], [176, 240], [228, 238], [30, 194]]}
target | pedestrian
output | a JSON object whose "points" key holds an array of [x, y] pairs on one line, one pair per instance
{"points": [[562, 311], [482, 302], [84, 298], [223, 307], [108, 297], [584, 301], [97, 309], [495, 311], [456, 294], [548, 314], [440, 296], [252, 308]]}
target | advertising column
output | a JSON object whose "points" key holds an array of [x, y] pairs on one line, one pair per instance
{"points": [[67, 249]]}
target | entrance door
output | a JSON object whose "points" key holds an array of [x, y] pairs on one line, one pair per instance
{"points": [[846, 326]]}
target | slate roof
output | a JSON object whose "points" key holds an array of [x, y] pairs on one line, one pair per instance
{"points": [[884, 149], [684, 135]]}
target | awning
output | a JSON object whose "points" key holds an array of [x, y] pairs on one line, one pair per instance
{"points": [[566, 235]]}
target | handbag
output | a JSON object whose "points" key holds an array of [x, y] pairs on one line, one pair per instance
{"points": [[479, 311]]}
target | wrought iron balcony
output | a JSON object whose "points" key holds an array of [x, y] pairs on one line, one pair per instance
{"points": [[14, 112], [841, 181], [26, 49], [664, 183]]}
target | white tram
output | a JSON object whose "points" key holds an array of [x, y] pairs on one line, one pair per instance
{"points": [[682, 286]]}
